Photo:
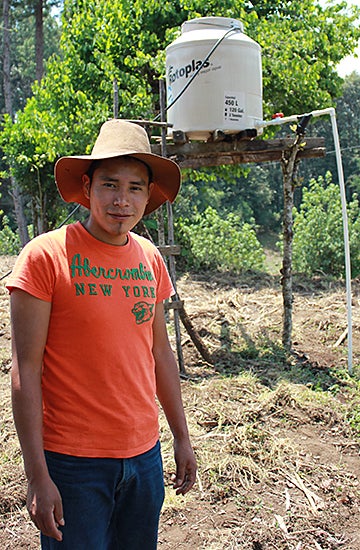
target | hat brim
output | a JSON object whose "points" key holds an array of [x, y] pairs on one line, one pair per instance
{"points": [[166, 177]]}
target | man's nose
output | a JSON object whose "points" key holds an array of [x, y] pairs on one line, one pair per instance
{"points": [[121, 197]]}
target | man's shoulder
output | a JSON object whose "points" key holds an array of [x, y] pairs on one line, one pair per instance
{"points": [[54, 239], [145, 243], [43, 238]]}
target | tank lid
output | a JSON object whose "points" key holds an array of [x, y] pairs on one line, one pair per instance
{"points": [[211, 22]]}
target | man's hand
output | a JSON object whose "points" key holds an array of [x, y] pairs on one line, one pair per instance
{"points": [[45, 507], [185, 467], [169, 394]]}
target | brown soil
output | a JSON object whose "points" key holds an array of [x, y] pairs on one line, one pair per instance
{"points": [[278, 454]]}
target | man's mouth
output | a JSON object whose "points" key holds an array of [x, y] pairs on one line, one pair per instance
{"points": [[119, 216]]}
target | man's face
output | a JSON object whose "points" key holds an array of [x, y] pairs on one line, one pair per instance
{"points": [[118, 193]]}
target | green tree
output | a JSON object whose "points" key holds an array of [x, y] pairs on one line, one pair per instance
{"points": [[264, 183], [22, 44], [253, 193], [302, 44], [223, 243], [318, 231], [23, 48], [348, 121], [125, 40], [348, 118]]}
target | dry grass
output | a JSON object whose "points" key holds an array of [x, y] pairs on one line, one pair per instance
{"points": [[256, 473], [278, 459]]}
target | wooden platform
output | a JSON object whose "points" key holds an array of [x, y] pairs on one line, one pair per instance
{"points": [[198, 154]]}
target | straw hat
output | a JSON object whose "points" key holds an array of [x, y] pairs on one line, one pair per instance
{"points": [[118, 138]]}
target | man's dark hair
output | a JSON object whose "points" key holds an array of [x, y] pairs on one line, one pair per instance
{"points": [[95, 164]]}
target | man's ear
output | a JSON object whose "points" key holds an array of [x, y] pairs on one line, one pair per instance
{"points": [[86, 185]]}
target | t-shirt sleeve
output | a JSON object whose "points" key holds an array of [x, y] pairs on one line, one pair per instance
{"points": [[34, 270]]}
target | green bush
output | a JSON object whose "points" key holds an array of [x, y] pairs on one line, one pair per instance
{"points": [[226, 243], [318, 244], [9, 240]]}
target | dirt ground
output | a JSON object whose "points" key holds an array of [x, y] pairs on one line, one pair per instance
{"points": [[274, 433]]}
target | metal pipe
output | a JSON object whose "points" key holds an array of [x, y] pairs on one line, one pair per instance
{"points": [[346, 234]]}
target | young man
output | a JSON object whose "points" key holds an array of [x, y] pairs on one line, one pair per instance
{"points": [[91, 353]]}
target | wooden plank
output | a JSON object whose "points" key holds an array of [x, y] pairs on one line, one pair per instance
{"points": [[176, 304], [169, 250], [197, 154], [245, 158], [192, 148]]}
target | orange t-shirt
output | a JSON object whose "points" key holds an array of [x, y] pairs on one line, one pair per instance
{"points": [[98, 369]]}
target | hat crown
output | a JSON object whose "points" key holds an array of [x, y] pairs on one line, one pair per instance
{"points": [[119, 136]]}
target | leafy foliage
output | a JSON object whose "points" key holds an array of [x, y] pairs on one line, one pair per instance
{"points": [[348, 112], [300, 75], [9, 240], [348, 122], [125, 40], [318, 231], [22, 27], [211, 241]]}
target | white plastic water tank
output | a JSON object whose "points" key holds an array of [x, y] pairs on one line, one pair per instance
{"points": [[226, 94]]}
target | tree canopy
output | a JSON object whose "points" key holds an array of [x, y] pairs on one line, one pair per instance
{"points": [[125, 40], [23, 58]]}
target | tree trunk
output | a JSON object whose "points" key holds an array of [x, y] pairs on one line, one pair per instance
{"points": [[6, 57], [286, 270], [39, 40], [288, 165], [15, 190], [19, 212]]}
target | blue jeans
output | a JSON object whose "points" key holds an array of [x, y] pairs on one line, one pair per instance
{"points": [[109, 504]]}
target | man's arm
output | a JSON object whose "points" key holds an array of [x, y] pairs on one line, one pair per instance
{"points": [[29, 322], [169, 394]]}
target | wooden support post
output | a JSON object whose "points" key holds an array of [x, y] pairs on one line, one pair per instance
{"points": [[171, 242], [194, 336], [170, 250], [160, 226], [289, 165], [190, 329]]}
